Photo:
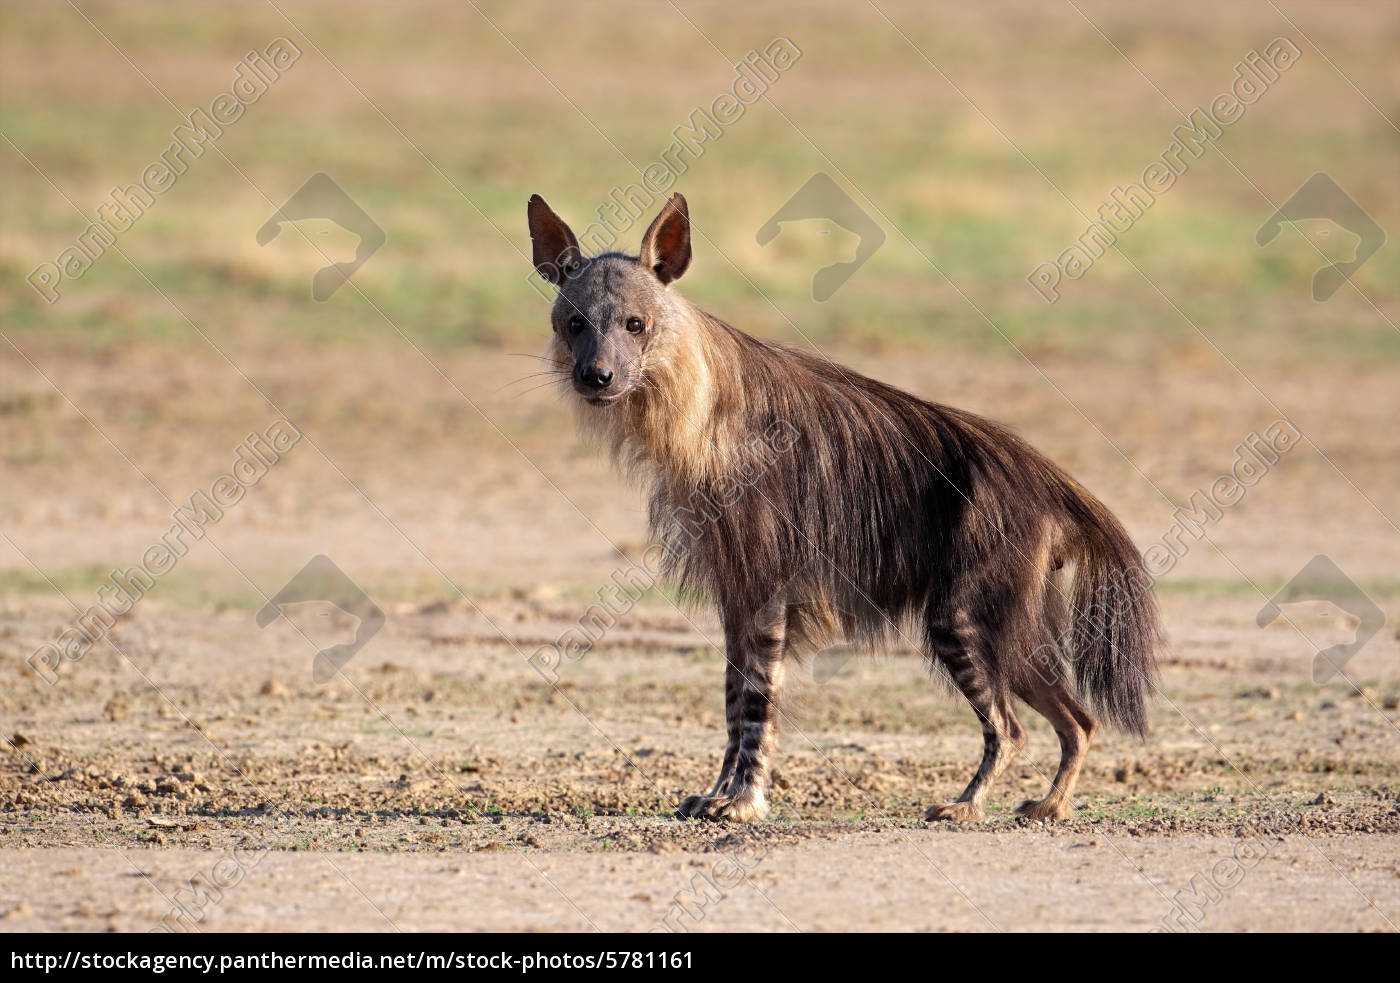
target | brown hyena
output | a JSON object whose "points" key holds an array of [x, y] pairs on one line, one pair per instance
{"points": [[888, 515]]}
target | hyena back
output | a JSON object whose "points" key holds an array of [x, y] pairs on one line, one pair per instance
{"points": [[888, 516]]}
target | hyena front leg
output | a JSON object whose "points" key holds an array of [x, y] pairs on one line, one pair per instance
{"points": [[733, 708], [753, 678]]}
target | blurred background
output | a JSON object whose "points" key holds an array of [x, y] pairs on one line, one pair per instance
{"points": [[978, 139], [946, 150]]}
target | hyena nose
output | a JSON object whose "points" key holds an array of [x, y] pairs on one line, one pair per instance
{"points": [[596, 377]]}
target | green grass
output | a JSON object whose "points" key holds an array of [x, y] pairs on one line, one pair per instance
{"points": [[952, 195], [205, 590]]}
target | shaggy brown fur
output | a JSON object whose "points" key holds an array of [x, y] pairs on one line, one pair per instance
{"points": [[889, 517]]}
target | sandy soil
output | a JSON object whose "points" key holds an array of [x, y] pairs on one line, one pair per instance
{"points": [[442, 784]]}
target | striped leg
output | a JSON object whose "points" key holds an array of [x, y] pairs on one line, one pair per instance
{"points": [[753, 681], [733, 692], [1002, 735]]}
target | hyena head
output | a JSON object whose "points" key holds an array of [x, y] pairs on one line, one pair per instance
{"points": [[614, 315]]}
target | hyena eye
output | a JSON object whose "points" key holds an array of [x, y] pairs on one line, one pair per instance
{"points": [[575, 324], [635, 325]]}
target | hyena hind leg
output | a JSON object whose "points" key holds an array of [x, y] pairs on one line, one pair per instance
{"points": [[1002, 734], [1075, 728]]}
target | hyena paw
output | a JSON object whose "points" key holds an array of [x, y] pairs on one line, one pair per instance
{"points": [[746, 807], [1046, 808], [961, 811]]}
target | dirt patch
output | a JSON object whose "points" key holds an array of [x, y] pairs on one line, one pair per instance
{"points": [[444, 763], [460, 751]]}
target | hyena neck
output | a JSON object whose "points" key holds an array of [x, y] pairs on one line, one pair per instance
{"points": [[677, 423]]}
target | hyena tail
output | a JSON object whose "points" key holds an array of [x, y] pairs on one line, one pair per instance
{"points": [[1112, 630]]}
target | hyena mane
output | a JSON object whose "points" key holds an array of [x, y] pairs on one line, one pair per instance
{"points": [[811, 501], [889, 516]]}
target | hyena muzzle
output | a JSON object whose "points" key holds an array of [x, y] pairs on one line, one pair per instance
{"points": [[886, 516]]}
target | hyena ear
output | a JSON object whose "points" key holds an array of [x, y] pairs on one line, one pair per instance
{"points": [[557, 256], [666, 246]]}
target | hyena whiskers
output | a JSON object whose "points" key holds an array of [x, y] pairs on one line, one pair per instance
{"points": [[890, 515]]}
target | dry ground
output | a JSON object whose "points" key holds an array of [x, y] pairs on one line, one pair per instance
{"points": [[442, 784]]}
